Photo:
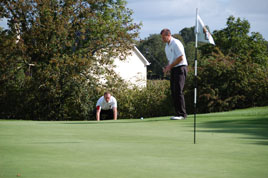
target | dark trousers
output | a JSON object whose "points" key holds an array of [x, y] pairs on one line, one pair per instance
{"points": [[105, 114], [177, 81]]}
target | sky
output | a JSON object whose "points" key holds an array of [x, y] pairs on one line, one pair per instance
{"points": [[178, 14]]}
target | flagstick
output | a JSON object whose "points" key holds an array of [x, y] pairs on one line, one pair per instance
{"points": [[195, 95], [195, 78]]}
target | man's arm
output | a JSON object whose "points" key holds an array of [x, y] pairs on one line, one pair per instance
{"points": [[98, 109], [170, 66], [115, 113]]}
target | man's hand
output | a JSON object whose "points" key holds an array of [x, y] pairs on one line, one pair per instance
{"points": [[167, 69], [170, 66]]}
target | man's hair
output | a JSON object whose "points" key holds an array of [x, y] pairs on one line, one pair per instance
{"points": [[165, 31], [106, 93]]}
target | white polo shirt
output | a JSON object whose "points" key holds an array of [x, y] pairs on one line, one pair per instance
{"points": [[174, 50], [106, 106]]}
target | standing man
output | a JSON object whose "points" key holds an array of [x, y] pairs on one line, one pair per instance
{"points": [[106, 105], [177, 66]]}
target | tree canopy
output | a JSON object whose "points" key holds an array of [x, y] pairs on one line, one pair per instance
{"points": [[54, 52], [232, 74], [188, 34], [235, 40], [55, 49], [152, 48]]}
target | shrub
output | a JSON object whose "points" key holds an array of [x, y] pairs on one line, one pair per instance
{"points": [[226, 84], [223, 84], [152, 101]]}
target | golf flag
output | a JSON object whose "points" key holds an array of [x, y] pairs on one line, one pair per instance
{"points": [[203, 34]]}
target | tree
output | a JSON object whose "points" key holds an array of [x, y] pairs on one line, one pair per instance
{"points": [[226, 83], [188, 34], [64, 45], [153, 49], [190, 53], [233, 74], [235, 40]]}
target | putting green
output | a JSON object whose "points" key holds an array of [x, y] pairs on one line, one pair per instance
{"points": [[229, 145]]}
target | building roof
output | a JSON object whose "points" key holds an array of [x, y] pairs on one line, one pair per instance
{"points": [[144, 60]]}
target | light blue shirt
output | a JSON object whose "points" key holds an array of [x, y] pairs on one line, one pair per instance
{"points": [[174, 50]]}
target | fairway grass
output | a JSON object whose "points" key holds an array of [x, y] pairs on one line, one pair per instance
{"points": [[229, 145]]}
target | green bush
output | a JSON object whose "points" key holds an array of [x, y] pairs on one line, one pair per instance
{"points": [[46, 96], [226, 84], [152, 101], [64, 50], [223, 84]]}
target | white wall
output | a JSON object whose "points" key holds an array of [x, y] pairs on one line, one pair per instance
{"points": [[133, 69]]}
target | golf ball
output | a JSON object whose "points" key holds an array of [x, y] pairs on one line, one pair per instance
{"points": [[141, 118]]}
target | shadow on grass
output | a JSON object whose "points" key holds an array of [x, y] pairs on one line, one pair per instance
{"points": [[255, 129], [129, 121]]}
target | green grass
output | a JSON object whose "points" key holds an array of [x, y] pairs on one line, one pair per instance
{"points": [[229, 145]]}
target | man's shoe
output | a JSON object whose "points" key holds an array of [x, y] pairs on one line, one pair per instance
{"points": [[177, 118]]}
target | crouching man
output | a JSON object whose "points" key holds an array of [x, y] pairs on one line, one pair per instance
{"points": [[106, 105]]}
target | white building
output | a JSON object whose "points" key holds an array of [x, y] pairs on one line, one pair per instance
{"points": [[134, 69]]}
